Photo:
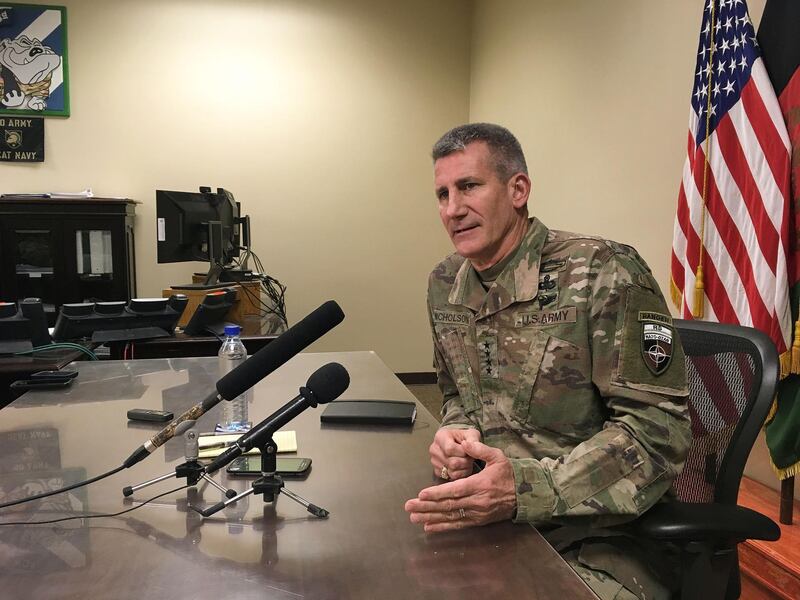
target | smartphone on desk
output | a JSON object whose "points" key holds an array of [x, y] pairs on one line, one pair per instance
{"points": [[54, 375], [23, 385], [287, 466]]}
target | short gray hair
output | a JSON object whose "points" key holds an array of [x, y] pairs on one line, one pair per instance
{"points": [[507, 154]]}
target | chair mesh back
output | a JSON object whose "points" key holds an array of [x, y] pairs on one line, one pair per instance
{"points": [[724, 376]]}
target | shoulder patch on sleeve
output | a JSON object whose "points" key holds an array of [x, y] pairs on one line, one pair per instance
{"points": [[657, 340], [650, 355]]}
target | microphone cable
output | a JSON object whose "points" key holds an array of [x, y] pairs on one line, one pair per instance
{"points": [[245, 376], [61, 490], [95, 515]]}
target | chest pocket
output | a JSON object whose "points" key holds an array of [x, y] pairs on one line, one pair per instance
{"points": [[554, 391], [526, 371], [458, 361]]}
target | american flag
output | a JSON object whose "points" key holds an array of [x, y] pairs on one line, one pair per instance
{"points": [[733, 206]]}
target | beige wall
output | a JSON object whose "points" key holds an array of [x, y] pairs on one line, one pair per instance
{"points": [[598, 93], [317, 114]]}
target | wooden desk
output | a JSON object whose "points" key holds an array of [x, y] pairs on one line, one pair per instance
{"points": [[367, 548]]}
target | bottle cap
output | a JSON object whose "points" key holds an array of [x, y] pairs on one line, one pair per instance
{"points": [[232, 329]]}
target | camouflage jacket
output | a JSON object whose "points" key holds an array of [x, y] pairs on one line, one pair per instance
{"points": [[556, 365]]}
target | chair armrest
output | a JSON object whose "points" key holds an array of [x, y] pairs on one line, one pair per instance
{"points": [[684, 521]]}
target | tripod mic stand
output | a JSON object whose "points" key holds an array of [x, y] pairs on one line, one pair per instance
{"points": [[270, 485], [192, 470]]}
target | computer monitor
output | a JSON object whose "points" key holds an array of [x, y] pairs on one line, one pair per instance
{"points": [[198, 226]]}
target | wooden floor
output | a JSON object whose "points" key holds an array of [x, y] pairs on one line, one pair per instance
{"points": [[769, 570]]}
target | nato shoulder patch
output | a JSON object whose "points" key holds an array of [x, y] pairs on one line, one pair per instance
{"points": [[656, 340]]}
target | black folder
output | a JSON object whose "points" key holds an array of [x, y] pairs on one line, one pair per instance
{"points": [[370, 412]]}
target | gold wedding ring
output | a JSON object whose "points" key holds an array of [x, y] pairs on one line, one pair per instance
{"points": [[444, 474]]}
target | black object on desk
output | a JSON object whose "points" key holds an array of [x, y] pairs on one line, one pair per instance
{"points": [[210, 314], [370, 412], [256, 333], [21, 386], [149, 415], [120, 321], [13, 368], [55, 375]]}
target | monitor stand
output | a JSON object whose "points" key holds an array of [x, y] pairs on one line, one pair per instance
{"points": [[211, 282], [224, 279], [199, 286], [236, 275], [215, 259]]}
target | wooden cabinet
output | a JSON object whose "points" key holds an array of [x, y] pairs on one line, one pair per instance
{"points": [[66, 250]]}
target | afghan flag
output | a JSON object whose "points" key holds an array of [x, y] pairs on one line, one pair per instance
{"points": [[779, 38]]}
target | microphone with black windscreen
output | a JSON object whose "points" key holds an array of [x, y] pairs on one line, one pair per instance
{"points": [[324, 385], [250, 372]]}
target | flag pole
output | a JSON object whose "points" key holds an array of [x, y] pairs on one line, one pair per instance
{"points": [[699, 286]]}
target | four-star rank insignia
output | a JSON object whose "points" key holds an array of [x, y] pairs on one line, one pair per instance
{"points": [[657, 335]]}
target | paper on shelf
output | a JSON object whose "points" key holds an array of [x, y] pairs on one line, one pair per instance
{"points": [[87, 193]]}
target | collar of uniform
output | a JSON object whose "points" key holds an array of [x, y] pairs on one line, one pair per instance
{"points": [[519, 281]]}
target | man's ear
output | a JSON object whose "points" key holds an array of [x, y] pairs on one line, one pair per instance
{"points": [[520, 188]]}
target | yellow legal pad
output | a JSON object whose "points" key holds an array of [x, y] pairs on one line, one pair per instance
{"points": [[213, 445]]}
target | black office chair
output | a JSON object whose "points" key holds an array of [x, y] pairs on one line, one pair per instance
{"points": [[732, 372]]}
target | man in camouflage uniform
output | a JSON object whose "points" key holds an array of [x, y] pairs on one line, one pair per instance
{"points": [[560, 370]]}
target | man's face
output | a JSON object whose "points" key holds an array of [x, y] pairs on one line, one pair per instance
{"points": [[480, 213]]}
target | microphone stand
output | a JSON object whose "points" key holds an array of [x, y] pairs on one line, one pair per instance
{"points": [[270, 485], [191, 470]]}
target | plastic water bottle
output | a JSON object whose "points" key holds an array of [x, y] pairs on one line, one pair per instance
{"points": [[232, 354]]}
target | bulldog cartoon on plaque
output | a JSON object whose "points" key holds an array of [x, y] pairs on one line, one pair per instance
{"points": [[33, 60]]}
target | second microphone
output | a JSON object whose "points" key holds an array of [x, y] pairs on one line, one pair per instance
{"points": [[324, 385]]}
